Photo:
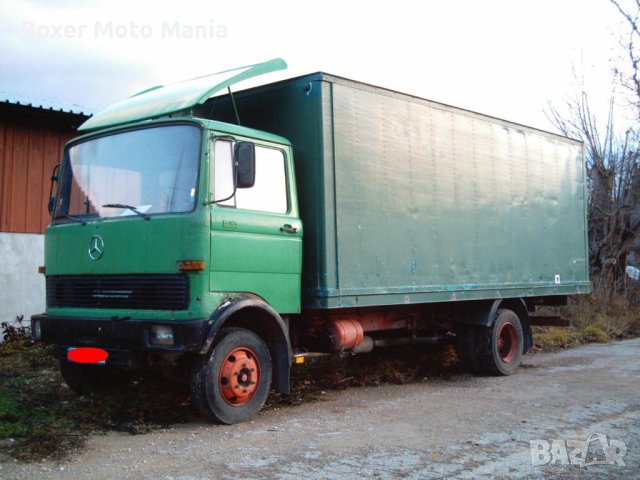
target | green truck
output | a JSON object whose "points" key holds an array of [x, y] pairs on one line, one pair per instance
{"points": [[222, 236]]}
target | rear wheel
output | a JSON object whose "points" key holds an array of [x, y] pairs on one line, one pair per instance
{"points": [[501, 345], [232, 383]]}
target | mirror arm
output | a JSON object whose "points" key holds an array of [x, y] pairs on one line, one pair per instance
{"points": [[54, 178]]}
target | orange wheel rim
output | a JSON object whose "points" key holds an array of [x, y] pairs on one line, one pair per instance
{"points": [[507, 342], [239, 376]]}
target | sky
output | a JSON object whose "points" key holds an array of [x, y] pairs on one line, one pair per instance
{"points": [[506, 58]]}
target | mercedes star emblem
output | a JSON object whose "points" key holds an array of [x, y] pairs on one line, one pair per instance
{"points": [[96, 247]]}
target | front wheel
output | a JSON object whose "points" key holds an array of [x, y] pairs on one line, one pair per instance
{"points": [[232, 383], [501, 344]]}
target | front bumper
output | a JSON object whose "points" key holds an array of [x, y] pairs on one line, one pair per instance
{"points": [[123, 338]]}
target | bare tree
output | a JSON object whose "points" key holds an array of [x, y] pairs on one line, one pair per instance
{"points": [[613, 170], [630, 11]]}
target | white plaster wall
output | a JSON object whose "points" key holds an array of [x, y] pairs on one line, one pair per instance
{"points": [[22, 288]]}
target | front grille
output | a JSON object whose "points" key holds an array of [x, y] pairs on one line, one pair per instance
{"points": [[154, 292]]}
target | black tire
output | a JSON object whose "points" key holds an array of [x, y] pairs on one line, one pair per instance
{"points": [[501, 345], [467, 347], [91, 379], [231, 384]]}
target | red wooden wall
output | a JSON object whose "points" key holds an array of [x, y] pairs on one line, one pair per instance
{"points": [[31, 144]]}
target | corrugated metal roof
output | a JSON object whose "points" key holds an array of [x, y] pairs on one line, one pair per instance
{"points": [[14, 99]]}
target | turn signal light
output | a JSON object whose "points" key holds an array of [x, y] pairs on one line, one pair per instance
{"points": [[190, 265], [41, 269]]}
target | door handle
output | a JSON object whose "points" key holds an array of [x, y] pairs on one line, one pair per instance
{"points": [[288, 229]]}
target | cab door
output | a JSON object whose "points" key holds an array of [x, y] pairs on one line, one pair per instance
{"points": [[256, 233]]}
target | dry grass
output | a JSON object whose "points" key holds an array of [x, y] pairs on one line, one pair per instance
{"points": [[592, 320], [40, 418]]}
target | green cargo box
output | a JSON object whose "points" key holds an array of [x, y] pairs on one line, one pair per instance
{"points": [[405, 200]]}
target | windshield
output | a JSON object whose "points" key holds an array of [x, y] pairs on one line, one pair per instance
{"points": [[145, 171]]}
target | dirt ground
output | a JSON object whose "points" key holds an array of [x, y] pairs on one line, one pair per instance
{"points": [[460, 426]]}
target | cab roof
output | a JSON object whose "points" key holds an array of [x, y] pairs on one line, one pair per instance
{"points": [[161, 100]]}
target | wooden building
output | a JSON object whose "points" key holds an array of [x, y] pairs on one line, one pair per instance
{"points": [[31, 142], [32, 136]]}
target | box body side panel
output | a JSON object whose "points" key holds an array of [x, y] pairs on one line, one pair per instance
{"points": [[435, 204], [405, 200]]}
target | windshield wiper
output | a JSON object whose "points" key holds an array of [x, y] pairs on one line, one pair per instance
{"points": [[76, 219], [128, 207]]}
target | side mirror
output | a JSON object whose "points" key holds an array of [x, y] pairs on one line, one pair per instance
{"points": [[245, 164], [52, 199]]}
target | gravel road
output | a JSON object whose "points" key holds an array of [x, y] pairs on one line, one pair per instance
{"points": [[460, 427]]}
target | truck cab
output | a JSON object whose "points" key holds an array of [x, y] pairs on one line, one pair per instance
{"points": [[162, 229]]}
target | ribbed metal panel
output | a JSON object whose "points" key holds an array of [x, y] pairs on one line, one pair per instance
{"points": [[31, 140], [153, 292], [405, 200]]}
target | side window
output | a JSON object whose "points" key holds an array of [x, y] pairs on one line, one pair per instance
{"points": [[268, 194], [223, 173]]}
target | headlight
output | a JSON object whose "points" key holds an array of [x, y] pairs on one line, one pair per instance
{"points": [[161, 335]]}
